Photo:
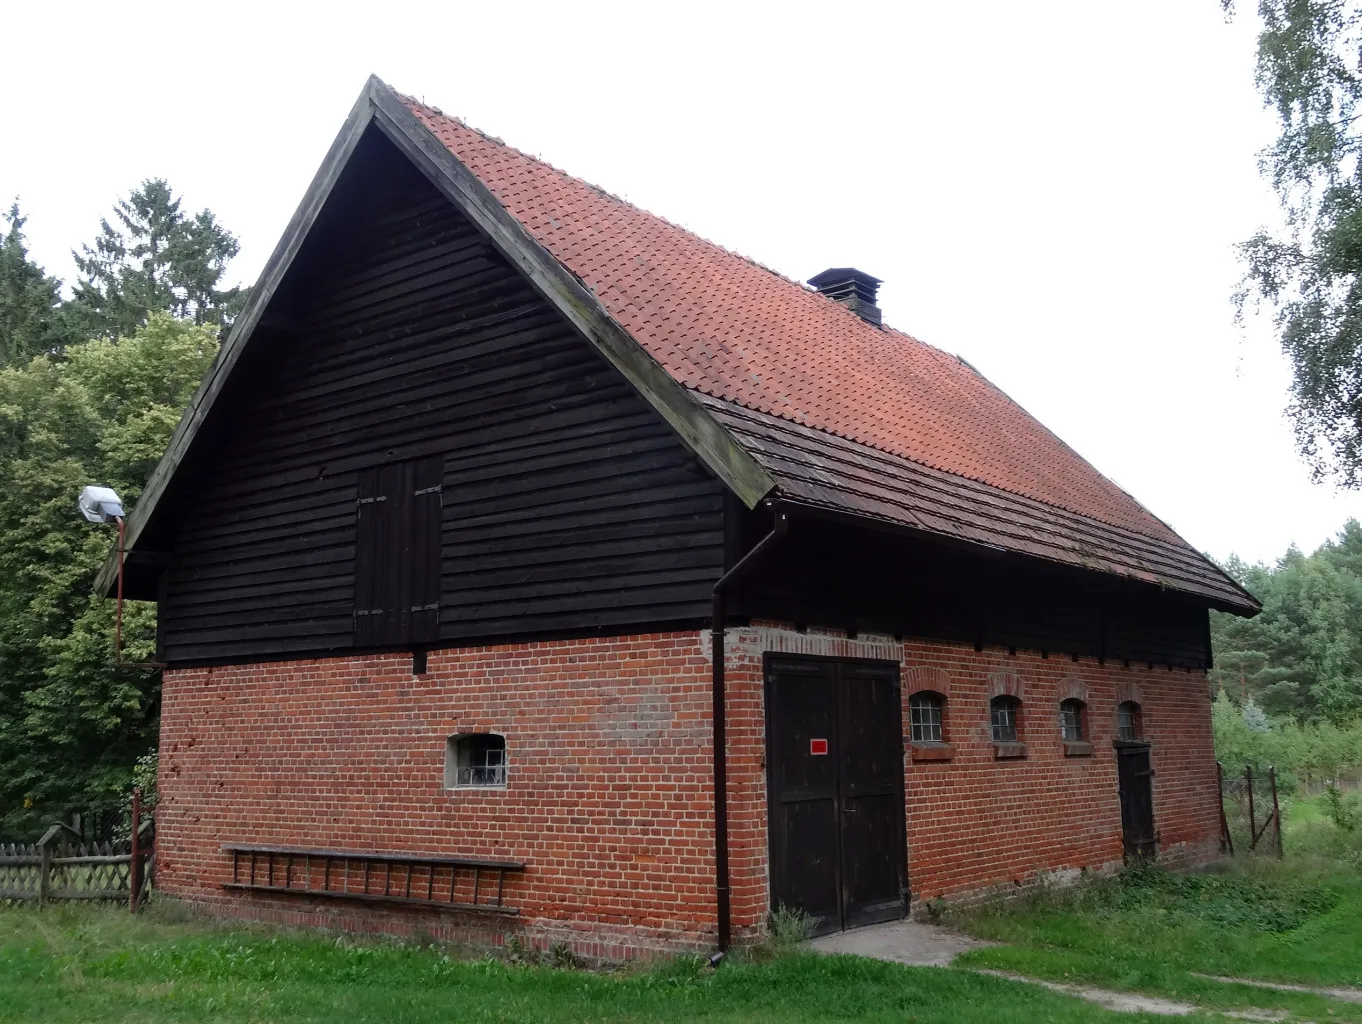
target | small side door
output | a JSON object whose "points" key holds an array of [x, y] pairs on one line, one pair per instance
{"points": [[1135, 776]]}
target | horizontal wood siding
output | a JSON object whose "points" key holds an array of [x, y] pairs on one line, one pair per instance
{"points": [[568, 504], [830, 573]]}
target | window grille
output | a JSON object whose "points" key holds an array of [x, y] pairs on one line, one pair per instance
{"points": [[1128, 721], [925, 717], [1071, 720], [478, 759], [1003, 712]]}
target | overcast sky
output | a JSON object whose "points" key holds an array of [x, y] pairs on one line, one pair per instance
{"points": [[1052, 190]]}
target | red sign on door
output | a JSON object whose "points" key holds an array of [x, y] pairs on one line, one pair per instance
{"points": [[818, 746]]}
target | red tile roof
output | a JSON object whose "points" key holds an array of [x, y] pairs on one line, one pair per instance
{"points": [[732, 329]]}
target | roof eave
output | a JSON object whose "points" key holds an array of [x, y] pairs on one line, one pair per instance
{"points": [[1247, 607]]}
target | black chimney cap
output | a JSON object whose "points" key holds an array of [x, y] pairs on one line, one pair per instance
{"points": [[853, 288]]}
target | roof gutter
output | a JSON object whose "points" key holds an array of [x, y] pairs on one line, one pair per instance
{"points": [[723, 893]]}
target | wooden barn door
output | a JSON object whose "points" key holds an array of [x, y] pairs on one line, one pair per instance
{"points": [[1135, 775], [835, 772]]}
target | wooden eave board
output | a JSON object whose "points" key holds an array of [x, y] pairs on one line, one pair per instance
{"points": [[820, 469]]}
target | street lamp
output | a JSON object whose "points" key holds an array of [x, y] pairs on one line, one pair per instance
{"points": [[103, 505]]}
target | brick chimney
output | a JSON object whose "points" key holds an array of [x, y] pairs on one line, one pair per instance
{"points": [[852, 288]]}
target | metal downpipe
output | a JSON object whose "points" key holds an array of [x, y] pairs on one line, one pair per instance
{"points": [[722, 889]]}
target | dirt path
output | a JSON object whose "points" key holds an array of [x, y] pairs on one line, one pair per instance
{"points": [[1343, 995], [1134, 1002], [926, 945]]}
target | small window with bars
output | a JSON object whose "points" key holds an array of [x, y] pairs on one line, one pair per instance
{"points": [[476, 760], [1005, 718], [1072, 713], [1128, 726], [926, 717]]}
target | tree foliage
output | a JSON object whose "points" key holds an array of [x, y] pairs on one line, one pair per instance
{"points": [[1301, 657], [91, 388], [31, 318], [1309, 72], [154, 257], [1290, 679], [72, 725], [1318, 751]]}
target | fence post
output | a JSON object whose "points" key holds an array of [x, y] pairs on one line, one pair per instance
{"points": [[44, 872], [1253, 820], [1276, 810], [1226, 840], [135, 863]]}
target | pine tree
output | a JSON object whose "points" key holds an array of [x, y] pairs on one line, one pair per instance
{"points": [[1302, 656], [30, 318], [154, 257]]}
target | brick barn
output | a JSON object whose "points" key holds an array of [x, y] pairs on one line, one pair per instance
{"points": [[528, 565]]}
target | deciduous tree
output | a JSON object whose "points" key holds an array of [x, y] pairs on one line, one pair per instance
{"points": [[72, 726], [1310, 73]]}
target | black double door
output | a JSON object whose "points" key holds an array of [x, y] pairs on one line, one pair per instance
{"points": [[835, 776], [1135, 776]]}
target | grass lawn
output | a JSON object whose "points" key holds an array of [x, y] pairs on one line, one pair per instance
{"points": [[1297, 921], [1300, 812], [96, 964]]}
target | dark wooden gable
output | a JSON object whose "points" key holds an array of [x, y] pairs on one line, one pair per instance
{"points": [[402, 354]]}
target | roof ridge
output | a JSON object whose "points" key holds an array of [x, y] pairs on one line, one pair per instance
{"points": [[495, 140], [803, 287], [815, 363]]}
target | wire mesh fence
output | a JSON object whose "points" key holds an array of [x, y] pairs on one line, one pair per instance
{"points": [[1250, 811]]}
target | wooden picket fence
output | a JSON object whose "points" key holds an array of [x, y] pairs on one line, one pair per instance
{"points": [[58, 868]]}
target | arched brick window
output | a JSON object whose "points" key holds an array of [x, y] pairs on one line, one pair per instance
{"points": [[1073, 720], [927, 717], [1004, 714], [1129, 726]]}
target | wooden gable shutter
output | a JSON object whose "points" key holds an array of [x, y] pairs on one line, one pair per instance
{"points": [[397, 553], [427, 488]]}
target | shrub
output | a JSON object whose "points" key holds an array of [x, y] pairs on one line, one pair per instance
{"points": [[1342, 810], [791, 927]]}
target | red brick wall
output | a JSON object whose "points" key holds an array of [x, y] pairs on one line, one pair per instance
{"points": [[609, 801], [975, 822], [609, 797]]}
